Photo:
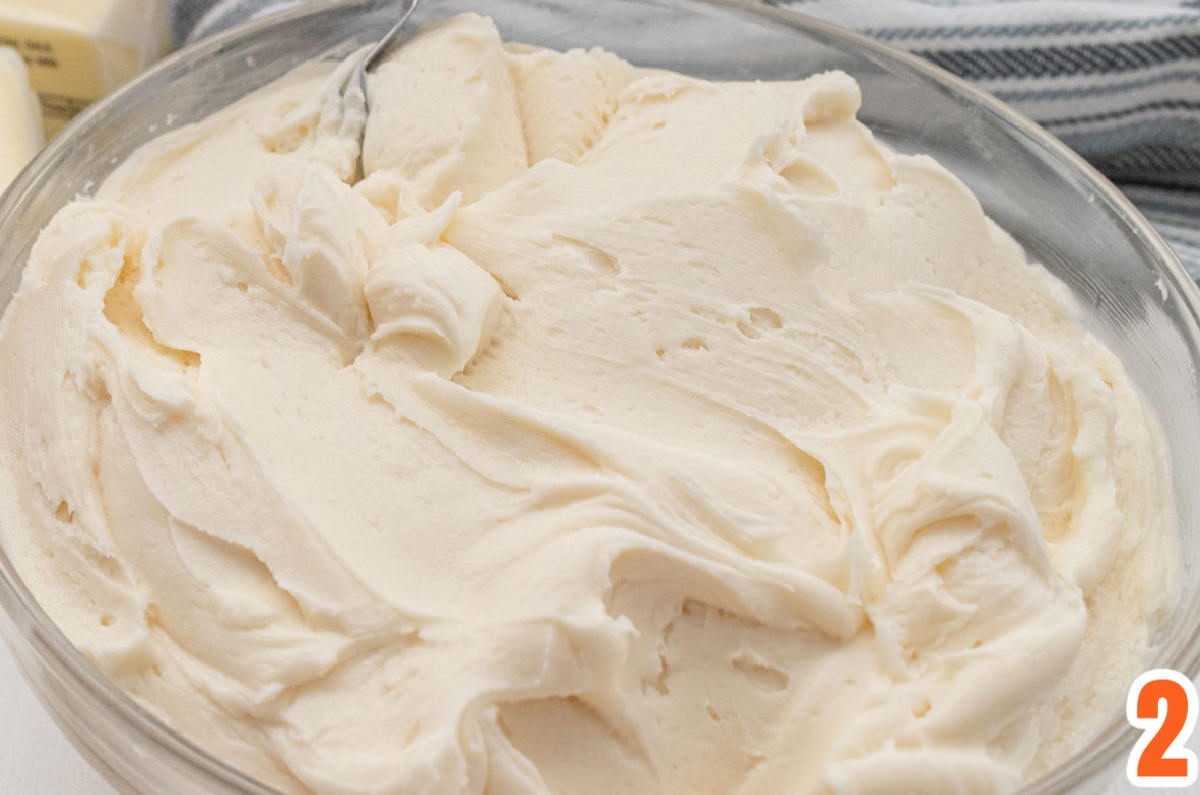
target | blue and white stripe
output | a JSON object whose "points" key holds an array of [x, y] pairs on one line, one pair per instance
{"points": [[1119, 82]]}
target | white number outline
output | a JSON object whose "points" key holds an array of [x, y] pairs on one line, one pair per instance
{"points": [[1151, 726]]}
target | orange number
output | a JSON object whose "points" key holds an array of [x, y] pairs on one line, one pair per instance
{"points": [[1163, 704], [1154, 761]]}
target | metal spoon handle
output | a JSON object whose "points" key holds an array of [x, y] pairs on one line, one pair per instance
{"points": [[376, 54], [382, 48]]}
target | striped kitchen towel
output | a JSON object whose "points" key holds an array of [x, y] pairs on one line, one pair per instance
{"points": [[1119, 82]]}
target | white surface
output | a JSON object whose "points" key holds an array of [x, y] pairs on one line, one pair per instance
{"points": [[35, 758]]}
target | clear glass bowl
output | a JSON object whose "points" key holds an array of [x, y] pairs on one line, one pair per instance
{"points": [[1068, 217]]}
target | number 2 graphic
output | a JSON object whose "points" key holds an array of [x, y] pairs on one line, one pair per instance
{"points": [[1162, 703]]}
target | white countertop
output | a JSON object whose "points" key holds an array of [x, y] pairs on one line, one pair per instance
{"points": [[35, 758]]}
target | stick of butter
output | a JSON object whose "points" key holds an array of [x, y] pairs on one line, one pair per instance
{"points": [[79, 50], [20, 117]]}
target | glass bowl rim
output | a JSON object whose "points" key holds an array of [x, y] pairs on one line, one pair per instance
{"points": [[14, 595]]}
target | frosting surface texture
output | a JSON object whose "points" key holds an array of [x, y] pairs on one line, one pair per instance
{"points": [[618, 432]]}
